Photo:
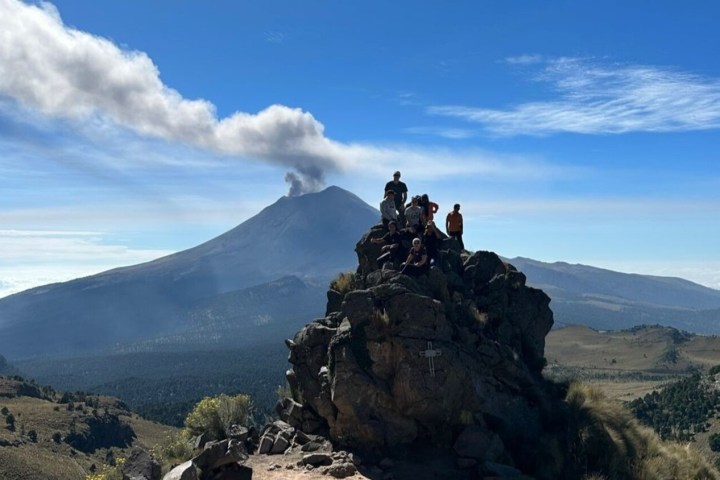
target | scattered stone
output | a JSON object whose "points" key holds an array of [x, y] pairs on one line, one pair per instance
{"points": [[290, 466], [238, 432], [281, 444], [266, 443], [140, 465], [217, 454], [342, 470], [317, 459], [200, 441], [301, 438], [311, 447], [184, 471]]}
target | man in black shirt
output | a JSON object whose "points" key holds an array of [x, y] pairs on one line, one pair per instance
{"points": [[400, 190], [392, 246]]}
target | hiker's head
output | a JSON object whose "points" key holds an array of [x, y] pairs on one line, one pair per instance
{"points": [[416, 242], [389, 194], [392, 226], [425, 197], [456, 207], [396, 176]]}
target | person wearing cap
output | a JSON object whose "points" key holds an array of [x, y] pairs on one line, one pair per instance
{"points": [[392, 249], [388, 211], [454, 225], [400, 190]]}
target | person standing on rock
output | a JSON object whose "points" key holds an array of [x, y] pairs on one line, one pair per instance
{"points": [[388, 211], [429, 208], [392, 249], [454, 225], [400, 190], [417, 261]]}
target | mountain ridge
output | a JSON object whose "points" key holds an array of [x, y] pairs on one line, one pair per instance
{"points": [[289, 237]]}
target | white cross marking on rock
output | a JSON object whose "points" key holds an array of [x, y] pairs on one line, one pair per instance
{"points": [[431, 353]]}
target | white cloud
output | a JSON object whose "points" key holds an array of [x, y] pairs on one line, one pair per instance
{"points": [[49, 67], [31, 258], [524, 59], [445, 132], [63, 72], [594, 98]]}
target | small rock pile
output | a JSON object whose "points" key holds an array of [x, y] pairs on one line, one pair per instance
{"points": [[218, 460], [281, 438]]}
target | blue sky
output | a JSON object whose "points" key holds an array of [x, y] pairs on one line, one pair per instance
{"points": [[585, 132]]}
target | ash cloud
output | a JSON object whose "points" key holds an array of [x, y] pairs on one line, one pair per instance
{"points": [[63, 72]]}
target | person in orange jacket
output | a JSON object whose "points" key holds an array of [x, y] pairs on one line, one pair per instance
{"points": [[454, 225]]}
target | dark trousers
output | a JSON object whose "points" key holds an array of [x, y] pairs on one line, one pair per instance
{"points": [[413, 270], [458, 236]]}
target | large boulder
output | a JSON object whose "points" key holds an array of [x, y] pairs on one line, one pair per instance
{"points": [[452, 358], [140, 465]]}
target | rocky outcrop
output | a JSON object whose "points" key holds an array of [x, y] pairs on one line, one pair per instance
{"points": [[140, 465], [452, 358]]}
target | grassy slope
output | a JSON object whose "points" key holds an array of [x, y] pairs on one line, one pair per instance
{"points": [[58, 461], [629, 363]]}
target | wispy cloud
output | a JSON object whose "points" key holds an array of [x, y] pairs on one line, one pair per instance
{"points": [[599, 98], [275, 37], [108, 92], [30, 258], [445, 132], [524, 59]]}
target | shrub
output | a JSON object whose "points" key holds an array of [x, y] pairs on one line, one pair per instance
{"points": [[214, 415], [4, 411], [714, 370], [57, 437], [343, 283], [32, 435], [714, 441], [172, 450], [10, 421]]}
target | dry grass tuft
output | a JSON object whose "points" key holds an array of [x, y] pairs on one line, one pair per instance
{"points": [[343, 283], [610, 443]]}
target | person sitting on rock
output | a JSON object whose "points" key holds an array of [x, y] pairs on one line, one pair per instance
{"points": [[400, 190], [392, 249], [413, 216], [431, 238], [454, 225], [388, 211], [429, 208], [417, 261]]}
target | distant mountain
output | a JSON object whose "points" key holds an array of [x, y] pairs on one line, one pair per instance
{"points": [[605, 299], [310, 236]]}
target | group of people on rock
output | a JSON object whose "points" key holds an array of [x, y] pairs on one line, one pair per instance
{"points": [[416, 221]]}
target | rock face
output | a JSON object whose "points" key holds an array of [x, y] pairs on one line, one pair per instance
{"points": [[451, 358]]}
